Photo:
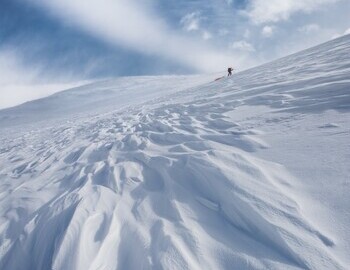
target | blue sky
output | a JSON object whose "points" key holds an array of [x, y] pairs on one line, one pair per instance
{"points": [[48, 45]]}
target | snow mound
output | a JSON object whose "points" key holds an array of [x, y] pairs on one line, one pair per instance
{"points": [[158, 173]]}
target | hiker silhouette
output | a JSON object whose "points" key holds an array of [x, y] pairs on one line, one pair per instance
{"points": [[229, 70]]}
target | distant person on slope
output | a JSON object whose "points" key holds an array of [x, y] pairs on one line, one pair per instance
{"points": [[229, 70]]}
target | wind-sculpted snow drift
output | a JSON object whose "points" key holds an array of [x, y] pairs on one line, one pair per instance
{"points": [[169, 180]]}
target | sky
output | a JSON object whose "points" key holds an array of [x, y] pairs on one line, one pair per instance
{"points": [[47, 46]]}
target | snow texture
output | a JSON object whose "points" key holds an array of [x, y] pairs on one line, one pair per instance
{"points": [[183, 172]]}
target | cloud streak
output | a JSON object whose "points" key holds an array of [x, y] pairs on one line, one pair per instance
{"points": [[19, 84], [262, 11], [191, 21], [135, 26], [267, 31], [242, 45]]}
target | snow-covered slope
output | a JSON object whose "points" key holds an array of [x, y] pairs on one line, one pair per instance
{"points": [[96, 98], [248, 172]]}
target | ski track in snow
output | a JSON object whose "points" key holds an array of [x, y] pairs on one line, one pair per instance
{"points": [[170, 183]]}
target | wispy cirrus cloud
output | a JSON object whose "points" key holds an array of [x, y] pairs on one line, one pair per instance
{"points": [[268, 31], [191, 21], [309, 28], [242, 45], [262, 11], [134, 25], [19, 84]]}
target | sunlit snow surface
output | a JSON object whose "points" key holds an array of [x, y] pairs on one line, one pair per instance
{"points": [[248, 172]]}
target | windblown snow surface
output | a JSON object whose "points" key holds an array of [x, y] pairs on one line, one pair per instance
{"points": [[181, 172]]}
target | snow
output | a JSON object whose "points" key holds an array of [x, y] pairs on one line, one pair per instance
{"points": [[183, 172]]}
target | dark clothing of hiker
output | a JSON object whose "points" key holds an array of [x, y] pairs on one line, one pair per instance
{"points": [[229, 70]]}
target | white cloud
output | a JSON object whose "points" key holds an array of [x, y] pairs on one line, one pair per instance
{"points": [[347, 31], [246, 34], [18, 93], [262, 11], [19, 84], [309, 28], [130, 23], [191, 21], [12, 69], [206, 35], [242, 45], [267, 31], [223, 32]]}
